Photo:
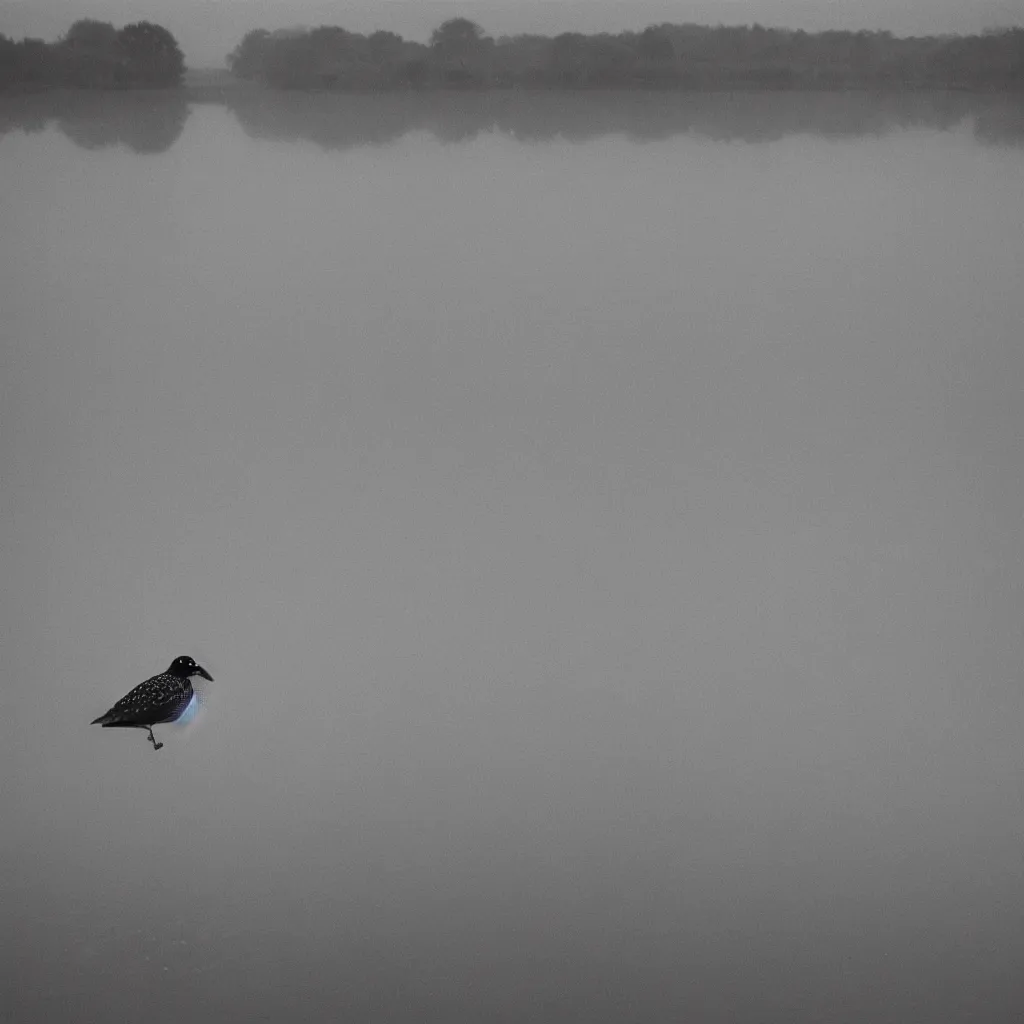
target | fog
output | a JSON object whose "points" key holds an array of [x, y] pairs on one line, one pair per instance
{"points": [[209, 29], [606, 549]]}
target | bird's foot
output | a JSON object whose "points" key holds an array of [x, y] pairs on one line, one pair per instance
{"points": [[157, 746]]}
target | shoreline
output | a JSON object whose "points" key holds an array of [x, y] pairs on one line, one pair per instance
{"points": [[212, 86]]}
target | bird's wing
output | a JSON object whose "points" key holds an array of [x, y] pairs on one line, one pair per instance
{"points": [[156, 700]]}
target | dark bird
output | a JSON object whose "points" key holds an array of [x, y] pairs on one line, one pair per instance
{"points": [[160, 699]]}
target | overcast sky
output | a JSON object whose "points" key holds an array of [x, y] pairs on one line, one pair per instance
{"points": [[208, 30]]}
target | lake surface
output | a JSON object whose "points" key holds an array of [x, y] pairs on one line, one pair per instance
{"points": [[602, 517]]}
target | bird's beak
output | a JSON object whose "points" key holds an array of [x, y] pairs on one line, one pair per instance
{"points": [[202, 672]]}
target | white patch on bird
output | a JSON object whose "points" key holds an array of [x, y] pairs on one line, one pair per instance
{"points": [[192, 722], [190, 712]]}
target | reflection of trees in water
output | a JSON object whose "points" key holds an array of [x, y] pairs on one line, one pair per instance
{"points": [[150, 122], [145, 122], [1001, 125], [22, 114], [339, 121]]}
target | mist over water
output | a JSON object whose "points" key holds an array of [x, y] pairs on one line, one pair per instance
{"points": [[600, 518]]}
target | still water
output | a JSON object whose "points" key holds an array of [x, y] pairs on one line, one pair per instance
{"points": [[601, 517]]}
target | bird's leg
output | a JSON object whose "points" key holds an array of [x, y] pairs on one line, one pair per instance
{"points": [[152, 739]]}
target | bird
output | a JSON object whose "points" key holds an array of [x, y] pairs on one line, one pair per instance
{"points": [[161, 698]]}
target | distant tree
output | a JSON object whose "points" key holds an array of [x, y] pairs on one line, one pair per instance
{"points": [[248, 58], [91, 36], [337, 58], [89, 54], [567, 59], [330, 39], [655, 44], [8, 58], [414, 72], [390, 55], [993, 60], [613, 58], [33, 62], [457, 37], [461, 52], [678, 56], [656, 57], [150, 56], [385, 46]]}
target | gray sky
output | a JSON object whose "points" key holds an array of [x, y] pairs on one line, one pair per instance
{"points": [[209, 30]]}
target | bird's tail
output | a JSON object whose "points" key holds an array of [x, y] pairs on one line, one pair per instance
{"points": [[110, 718]]}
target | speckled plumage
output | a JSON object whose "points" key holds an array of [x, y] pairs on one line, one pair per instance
{"points": [[162, 698]]}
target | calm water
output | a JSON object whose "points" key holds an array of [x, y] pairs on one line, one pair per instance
{"points": [[601, 516]]}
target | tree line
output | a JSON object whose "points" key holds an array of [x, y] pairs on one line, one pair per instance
{"points": [[95, 55], [461, 55]]}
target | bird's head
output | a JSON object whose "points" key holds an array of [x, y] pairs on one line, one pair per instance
{"points": [[184, 667]]}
